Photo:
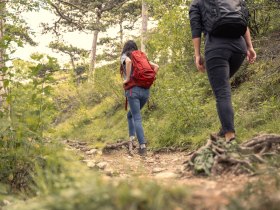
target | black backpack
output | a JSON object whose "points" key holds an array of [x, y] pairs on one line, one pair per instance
{"points": [[226, 18]]}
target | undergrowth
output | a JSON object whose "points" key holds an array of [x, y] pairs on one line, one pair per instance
{"points": [[29, 165], [101, 194], [259, 195]]}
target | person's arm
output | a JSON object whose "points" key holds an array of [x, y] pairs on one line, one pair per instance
{"points": [[196, 29], [128, 65], [154, 66], [199, 60], [251, 54]]}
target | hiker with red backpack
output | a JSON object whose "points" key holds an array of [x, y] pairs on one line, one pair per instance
{"points": [[139, 74], [227, 43]]}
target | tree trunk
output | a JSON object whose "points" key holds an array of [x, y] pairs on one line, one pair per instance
{"points": [[144, 25], [72, 62], [94, 47], [2, 51], [121, 32], [74, 75]]}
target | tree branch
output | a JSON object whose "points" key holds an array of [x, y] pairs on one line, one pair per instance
{"points": [[64, 17], [73, 5]]}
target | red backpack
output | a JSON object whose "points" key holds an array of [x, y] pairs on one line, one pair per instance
{"points": [[142, 75]]}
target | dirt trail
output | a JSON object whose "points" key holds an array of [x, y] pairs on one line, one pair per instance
{"points": [[165, 168]]}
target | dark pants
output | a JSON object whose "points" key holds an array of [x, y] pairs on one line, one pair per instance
{"points": [[221, 64]]}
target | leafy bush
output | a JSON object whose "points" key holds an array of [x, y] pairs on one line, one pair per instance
{"points": [[22, 154], [26, 114]]}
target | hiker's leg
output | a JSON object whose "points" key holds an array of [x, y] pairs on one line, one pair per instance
{"points": [[134, 104], [218, 68], [144, 96], [131, 128], [235, 62]]}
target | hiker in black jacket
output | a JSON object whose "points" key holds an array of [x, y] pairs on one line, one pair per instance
{"points": [[226, 46]]}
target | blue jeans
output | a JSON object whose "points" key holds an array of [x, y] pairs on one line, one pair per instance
{"points": [[221, 65], [137, 98]]}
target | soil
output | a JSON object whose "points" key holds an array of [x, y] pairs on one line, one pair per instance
{"points": [[166, 168]]}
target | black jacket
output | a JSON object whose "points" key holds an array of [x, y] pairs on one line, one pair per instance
{"points": [[197, 19], [206, 15]]}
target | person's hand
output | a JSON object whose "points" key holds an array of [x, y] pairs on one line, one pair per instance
{"points": [[125, 81], [199, 62], [251, 55]]}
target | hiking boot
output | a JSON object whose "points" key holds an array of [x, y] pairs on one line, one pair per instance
{"points": [[142, 151], [217, 136], [221, 133]]}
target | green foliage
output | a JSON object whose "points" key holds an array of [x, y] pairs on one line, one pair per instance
{"points": [[107, 82], [15, 166], [125, 18], [25, 101], [83, 15], [170, 42], [91, 110], [23, 155], [19, 34], [178, 94], [98, 194], [77, 55], [16, 33], [264, 16], [52, 173], [260, 110], [204, 162], [29, 113], [30, 101], [95, 124], [70, 50]]}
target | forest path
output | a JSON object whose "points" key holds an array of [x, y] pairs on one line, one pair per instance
{"points": [[166, 168]]}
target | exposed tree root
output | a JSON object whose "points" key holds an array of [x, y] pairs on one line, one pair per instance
{"points": [[218, 157], [169, 150], [78, 145], [130, 145], [116, 145], [122, 144]]}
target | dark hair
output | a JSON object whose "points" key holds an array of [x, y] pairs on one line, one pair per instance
{"points": [[128, 47]]}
